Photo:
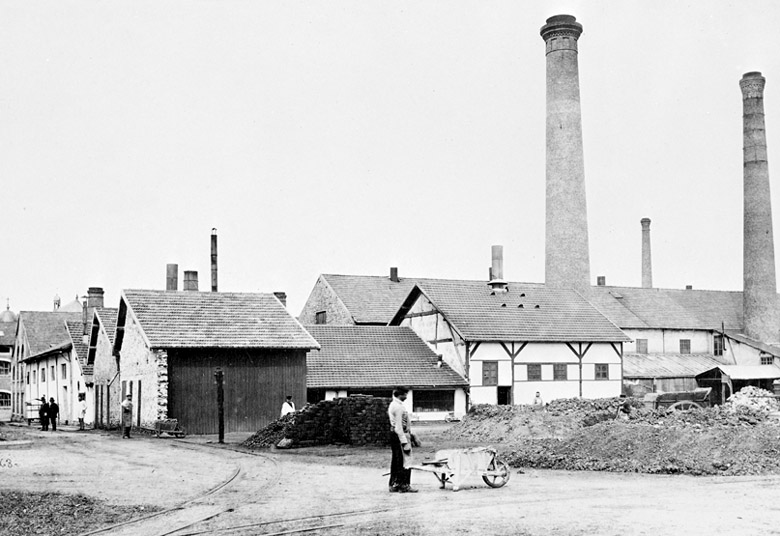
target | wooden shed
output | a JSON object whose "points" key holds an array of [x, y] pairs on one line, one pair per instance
{"points": [[171, 343]]}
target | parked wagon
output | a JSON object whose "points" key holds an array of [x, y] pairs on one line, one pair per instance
{"points": [[698, 398], [31, 411], [454, 466]]}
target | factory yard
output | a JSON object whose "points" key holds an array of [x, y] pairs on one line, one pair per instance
{"points": [[195, 486]]}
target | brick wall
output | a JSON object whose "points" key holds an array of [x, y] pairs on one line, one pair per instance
{"points": [[355, 420], [323, 298]]}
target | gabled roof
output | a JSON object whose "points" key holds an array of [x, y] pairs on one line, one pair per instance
{"points": [[178, 319], [669, 308], [370, 299], [76, 330], [758, 345], [667, 365], [107, 317], [523, 313], [374, 356], [46, 331], [7, 333]]}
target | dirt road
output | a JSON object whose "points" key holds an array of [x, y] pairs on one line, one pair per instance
{"points": [[211, 489]]}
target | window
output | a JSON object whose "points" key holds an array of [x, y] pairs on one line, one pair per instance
{"points": [[64, 371], [321, 317], [685, 346], [28, 378], [767, 360], [718, 345], [602, 371], [51, 376], [43, 375], [534, 372], [560, 372], [5, 367], [433, 400], [641, 346], [490, 373], [5, 400]]}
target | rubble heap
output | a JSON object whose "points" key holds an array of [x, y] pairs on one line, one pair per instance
{"points": [[355, 420]]}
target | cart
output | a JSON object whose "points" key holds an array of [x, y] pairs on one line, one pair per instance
{"points": [[455, 466], [31, 411], [698, 398]]}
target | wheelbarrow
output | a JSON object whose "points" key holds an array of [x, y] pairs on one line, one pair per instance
{"points": [[454, 466]]}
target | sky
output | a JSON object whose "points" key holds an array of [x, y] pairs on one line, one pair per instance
{"points": [[352, 136]]}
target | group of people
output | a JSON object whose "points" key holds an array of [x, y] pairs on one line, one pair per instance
{"points": [[48, 412]]}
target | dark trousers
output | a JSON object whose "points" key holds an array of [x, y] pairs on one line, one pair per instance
{"points": [[126, 431], [45, 423], [53, 423], [398, 475]]}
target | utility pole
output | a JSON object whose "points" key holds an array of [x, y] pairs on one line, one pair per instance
{"points": [[220, 376]]}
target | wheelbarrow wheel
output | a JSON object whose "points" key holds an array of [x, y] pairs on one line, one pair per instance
{"points": [[501, 468]]}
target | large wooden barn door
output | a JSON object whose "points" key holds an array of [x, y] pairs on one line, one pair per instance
{"points": [[255, 385]]}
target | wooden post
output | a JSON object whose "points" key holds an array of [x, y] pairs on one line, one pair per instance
{"points": [[219, 375]]}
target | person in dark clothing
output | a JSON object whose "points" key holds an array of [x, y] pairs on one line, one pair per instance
{"points": [[43, 414], [54, 412]]}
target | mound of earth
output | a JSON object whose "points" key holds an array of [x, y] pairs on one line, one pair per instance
{"points": [[737, 438]]}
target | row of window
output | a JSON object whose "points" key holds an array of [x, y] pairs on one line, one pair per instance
{"points": [[560, 372], [63, 375], [685, 346]]}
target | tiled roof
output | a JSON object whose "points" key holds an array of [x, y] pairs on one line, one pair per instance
{"points": [[76, 330], [7, 333], [667, 365], [374, 356], [524, 313], [107, 318], [178, 319], [669, 308], [46, 330], [376, 299]]}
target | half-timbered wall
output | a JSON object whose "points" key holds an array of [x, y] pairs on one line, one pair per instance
{"points": [[431, 327]]}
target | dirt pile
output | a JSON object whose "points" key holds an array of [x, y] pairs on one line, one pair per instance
{"points": [[738, 438]]}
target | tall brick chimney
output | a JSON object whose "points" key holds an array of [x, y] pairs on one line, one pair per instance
{"points": [[214, 260], [94, 300], [190, 280], [567, 258], [171, 276], [647, 260], [759, 295]]}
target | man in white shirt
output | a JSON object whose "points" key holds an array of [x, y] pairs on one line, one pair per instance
{"points": [[400, 443], [288, 406]]}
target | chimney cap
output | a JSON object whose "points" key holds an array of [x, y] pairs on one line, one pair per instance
{"points": [[558, 23]]}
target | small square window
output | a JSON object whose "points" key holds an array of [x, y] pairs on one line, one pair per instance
{"points": [[718, 345], [560, 372], [320, 317], [641, 346], [64, 371], [490, 373], [534, 372], [43, 375], [602, 371], [767, 360], [685, 346]]}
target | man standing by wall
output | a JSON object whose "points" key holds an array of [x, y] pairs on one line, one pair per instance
{"points": [[127, 416], [400, 443], [54, 413]]}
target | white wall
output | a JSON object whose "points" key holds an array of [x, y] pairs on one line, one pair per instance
{"points": [[667, 341]]}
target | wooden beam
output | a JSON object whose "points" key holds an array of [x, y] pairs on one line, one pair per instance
{"points": [[437, 341], [424, 313]]}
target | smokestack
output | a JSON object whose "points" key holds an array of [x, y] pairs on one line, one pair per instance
{"points": [[172, 277], [567, 258], [282, 297], [759, 296], [56, 302], [647, 261], [190, 280], [394, 274], [214, 259], [497, 268]]}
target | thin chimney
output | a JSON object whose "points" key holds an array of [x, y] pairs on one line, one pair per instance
{"points": [[567, 258], [394, 274], [214, 259], [190, 280], [601, 280], [759, 296], [647, 261], [171, 277], [497, 281], [94, 301], [282, 297]]}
